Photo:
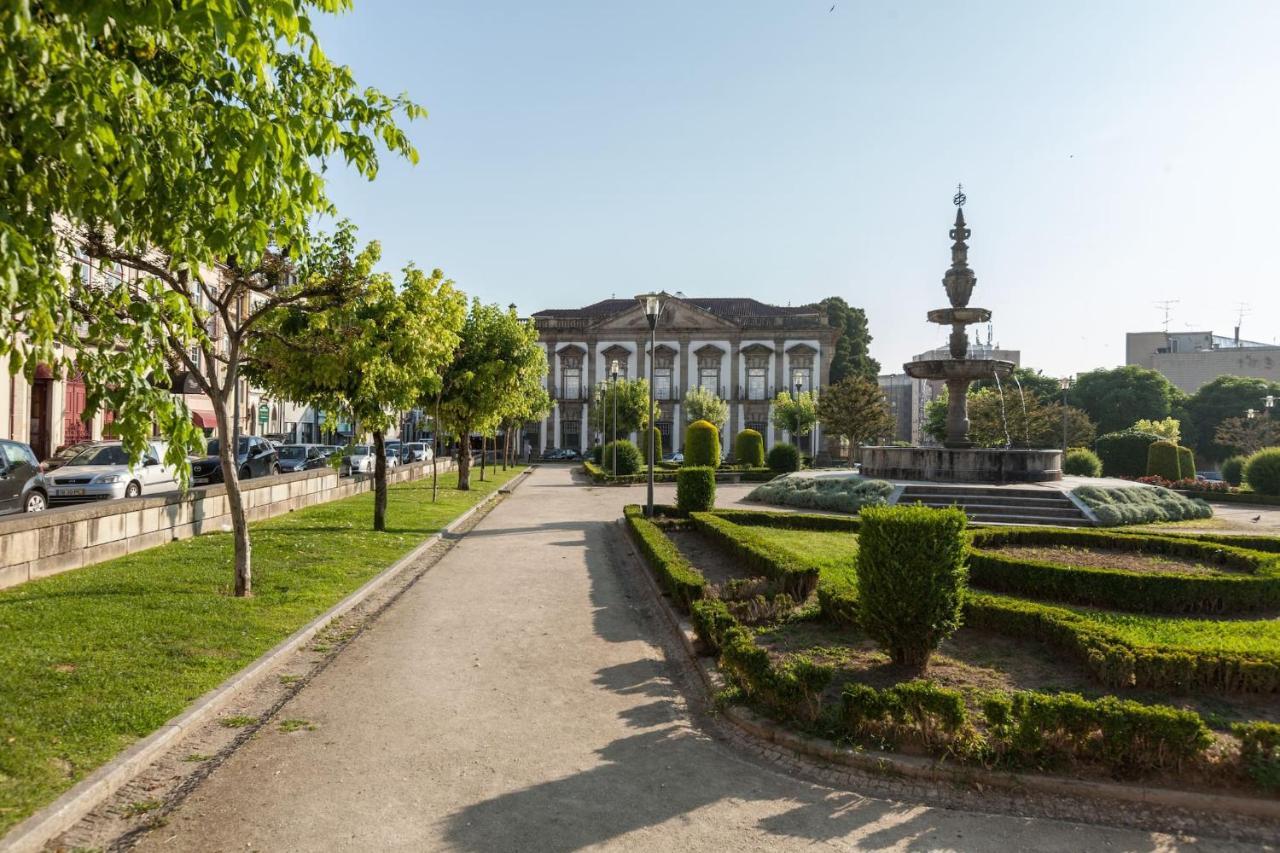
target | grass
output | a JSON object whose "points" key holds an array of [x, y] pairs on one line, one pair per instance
{"points": [[238, 721], [108, 653], [833, 553]]}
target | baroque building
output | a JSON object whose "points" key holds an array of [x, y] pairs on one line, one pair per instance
{"points": [[743, 350]]}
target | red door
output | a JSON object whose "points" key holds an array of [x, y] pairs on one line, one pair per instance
{"points": [[39, 419], [73, 428]]}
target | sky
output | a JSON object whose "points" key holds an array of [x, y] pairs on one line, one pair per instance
{"points": [[1114, 155]]}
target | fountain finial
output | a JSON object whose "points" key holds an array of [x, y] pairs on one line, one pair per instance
{"points": [[959, 198], [959, 280]]}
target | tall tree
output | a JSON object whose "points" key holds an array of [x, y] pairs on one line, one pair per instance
{"points": [[167, 138], [795, 415], [855, 409], [365, 348], [703, 404], [1247, 436], [1114, 399], [1214, 403], [851, 355], [1045, 388], [997, 423], [631, 397]]}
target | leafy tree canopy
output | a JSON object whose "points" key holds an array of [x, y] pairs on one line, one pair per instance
{"points": [[855, 408], [702, 404], [631, 397], [1045, 388], [1114, 399], [994, 425], [851, 355], [1215, 402], [1167, 428], [796, 415]]}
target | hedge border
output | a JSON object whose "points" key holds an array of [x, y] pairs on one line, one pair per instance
{"points": [[797, 578], [601, 477], [1231, 497], [678, 576]]}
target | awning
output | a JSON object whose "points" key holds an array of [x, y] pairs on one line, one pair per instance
{"points": [[201, 410]]}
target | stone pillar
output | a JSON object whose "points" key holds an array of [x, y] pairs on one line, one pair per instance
{"points": [[957, 414], [584, 429], [555, 426], [682, 366], [734, 388], [779, 380]]}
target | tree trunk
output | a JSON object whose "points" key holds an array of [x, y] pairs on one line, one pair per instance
{"points": [[235, 502], [483, 443], [435, 452], [379, 481], [464, 467], [506, 447]]}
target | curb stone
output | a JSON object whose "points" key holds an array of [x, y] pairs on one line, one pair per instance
{"points": [[31, 835], [1092, 797]]}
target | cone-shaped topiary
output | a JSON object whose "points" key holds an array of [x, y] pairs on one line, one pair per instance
{"points": [[1186, 463], [748, 449], [644, 445], [695, 488], [1233, 470], [1262, 471], [1162, 460], [702, 444]]}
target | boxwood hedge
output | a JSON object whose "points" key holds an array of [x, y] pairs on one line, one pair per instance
{"points": [[685, 583]]}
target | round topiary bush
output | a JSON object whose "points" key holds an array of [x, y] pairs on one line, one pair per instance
{"points": [[911, 578], [629, 460], [696, 488], [1233, 470], [784, 458], [1082, 462], [1162, 460], [1186, 463], [594, 453], [748, 449], [644, 445], [702, 444], [1124, 453], [1262, 471]]}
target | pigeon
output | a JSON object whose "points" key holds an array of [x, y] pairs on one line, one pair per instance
{"points": [[1256, 519]]}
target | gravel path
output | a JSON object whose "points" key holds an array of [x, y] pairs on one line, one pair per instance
{"points": [[519, 697]]}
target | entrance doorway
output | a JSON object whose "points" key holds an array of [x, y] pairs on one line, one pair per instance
{"points": [[38, 422], [73, 428]]}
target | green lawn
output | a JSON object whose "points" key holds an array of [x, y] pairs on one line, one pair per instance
{"points": [[96, 658], [835, 554]]}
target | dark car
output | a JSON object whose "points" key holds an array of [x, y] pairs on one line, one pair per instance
{"points": [[255, 456], [65, 455], [561, 454], [21, 487], [301, 457]]}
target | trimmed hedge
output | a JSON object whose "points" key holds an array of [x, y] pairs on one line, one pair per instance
{"points": [[643, 438], [1082, 462], [1162, 460], [915, 710], [1186, 463], [795, 520], [1233, 470], [792, 688], [911, 578], [628, 456], [695, 488], [797, 579], [711, 618], [1260, 752], [784, 458], [1140, 504], [678, 577], [702, 444], [748, 449], [1118, 589], [1124, 453], [1262, 471], [1115, 662]]}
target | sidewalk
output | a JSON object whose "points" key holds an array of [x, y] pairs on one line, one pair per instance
{"points": [[517, 698]]}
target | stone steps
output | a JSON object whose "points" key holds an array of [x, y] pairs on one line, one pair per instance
{"points": [[985, 505]]}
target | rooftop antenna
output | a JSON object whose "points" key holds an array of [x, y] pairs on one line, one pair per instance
{"points": [[1242, 308], [1166, 305]]}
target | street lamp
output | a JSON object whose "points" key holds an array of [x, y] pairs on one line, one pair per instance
{"points": [[1269, 402], [1065, 384], [652, 304], [613, 371], [1250, 413]]}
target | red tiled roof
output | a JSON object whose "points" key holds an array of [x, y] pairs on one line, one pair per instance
{"points": [[727, 308]]}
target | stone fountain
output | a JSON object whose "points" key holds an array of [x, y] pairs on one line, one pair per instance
{"points": [[958, 460]]}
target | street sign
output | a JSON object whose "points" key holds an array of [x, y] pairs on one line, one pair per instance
{"points": [[264, 412]]}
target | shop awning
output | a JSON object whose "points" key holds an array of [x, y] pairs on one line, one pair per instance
{"points": [[201, 410]]}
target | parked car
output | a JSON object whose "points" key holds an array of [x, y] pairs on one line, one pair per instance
{"points": [[65, 455], [103, 471], [255, 457], [22, 487], [357, 459], [301, 457], [675, 456], [393, 455], [561, 454], [416, 451]]}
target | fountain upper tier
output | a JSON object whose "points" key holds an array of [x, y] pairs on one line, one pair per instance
{"points": [[970, 369], [959, 316]]}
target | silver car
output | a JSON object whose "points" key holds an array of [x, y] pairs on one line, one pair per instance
{"points": [[357, 459], [102, 472]]}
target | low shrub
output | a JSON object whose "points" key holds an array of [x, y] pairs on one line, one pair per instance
{"points": [[913, 710], [594, 453], [748, 449], [1162, 460], [1124, 453], [840, 494], [695, 488], [795, 577], [792, 688], [1232, 469], [643, 438], [1260, 752], [702, 444], [681, 580], [911, 577], [1262, 471], [1140, 504], [1082, 462], [628, 457], [1186, 463], [784, 458], [711, 618], [798, 521]]}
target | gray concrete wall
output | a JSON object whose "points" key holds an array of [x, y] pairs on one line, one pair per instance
{"points": [[41, 544]]}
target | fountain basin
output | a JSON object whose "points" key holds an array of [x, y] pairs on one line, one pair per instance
{"points": [[959, 369], [965, 316], [962, 465]]}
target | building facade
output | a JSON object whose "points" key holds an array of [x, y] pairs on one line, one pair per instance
{"points": [[743, 350], [1192, 359]]}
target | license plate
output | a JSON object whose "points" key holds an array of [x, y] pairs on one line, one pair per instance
{"points": [[70, 493], [199, 481]]}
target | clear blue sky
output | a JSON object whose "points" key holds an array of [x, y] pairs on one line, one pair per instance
{"points": [[1114, 154]]}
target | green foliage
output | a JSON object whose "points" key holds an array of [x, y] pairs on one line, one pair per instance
{"points": [[792, 688], [632, 399], [1045, 389], [911, 578], [695, 488], [1114, 399], [1252, 585], [856, 410], [1170, 429], [916, 710], [1219, 400], [711, 619], [1186, 463], [1124, 453], [1262, 471], [702, 404], [748, 448], [1233, 470], [1260, 752], [851, 354], [784, 458], [796, 575], [657, 444], [1082, 462], [999, 417], [623, 454], [842, 494], [795, 415], [681, 580], [1140, 505], [1247, 436], [702, 444], [1162, 460]]}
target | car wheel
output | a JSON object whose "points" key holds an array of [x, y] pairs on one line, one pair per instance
{"points": [[245, 473], [275, 469], [35, 502], [132, 490]]}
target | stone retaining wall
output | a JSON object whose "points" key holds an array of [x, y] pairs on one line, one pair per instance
{"points": [[40, 544]]}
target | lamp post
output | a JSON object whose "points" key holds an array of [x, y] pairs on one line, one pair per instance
{"points": [[613, 372], [1250, 413], [652, 303], [1065, 384], [1269, 403]]}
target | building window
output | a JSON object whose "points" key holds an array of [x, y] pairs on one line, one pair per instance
{"points": [[572, 383], [800, 377], [667, 430], [757, 383], [709, 379], [571, 434], [662, 383], [761, 427]]}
